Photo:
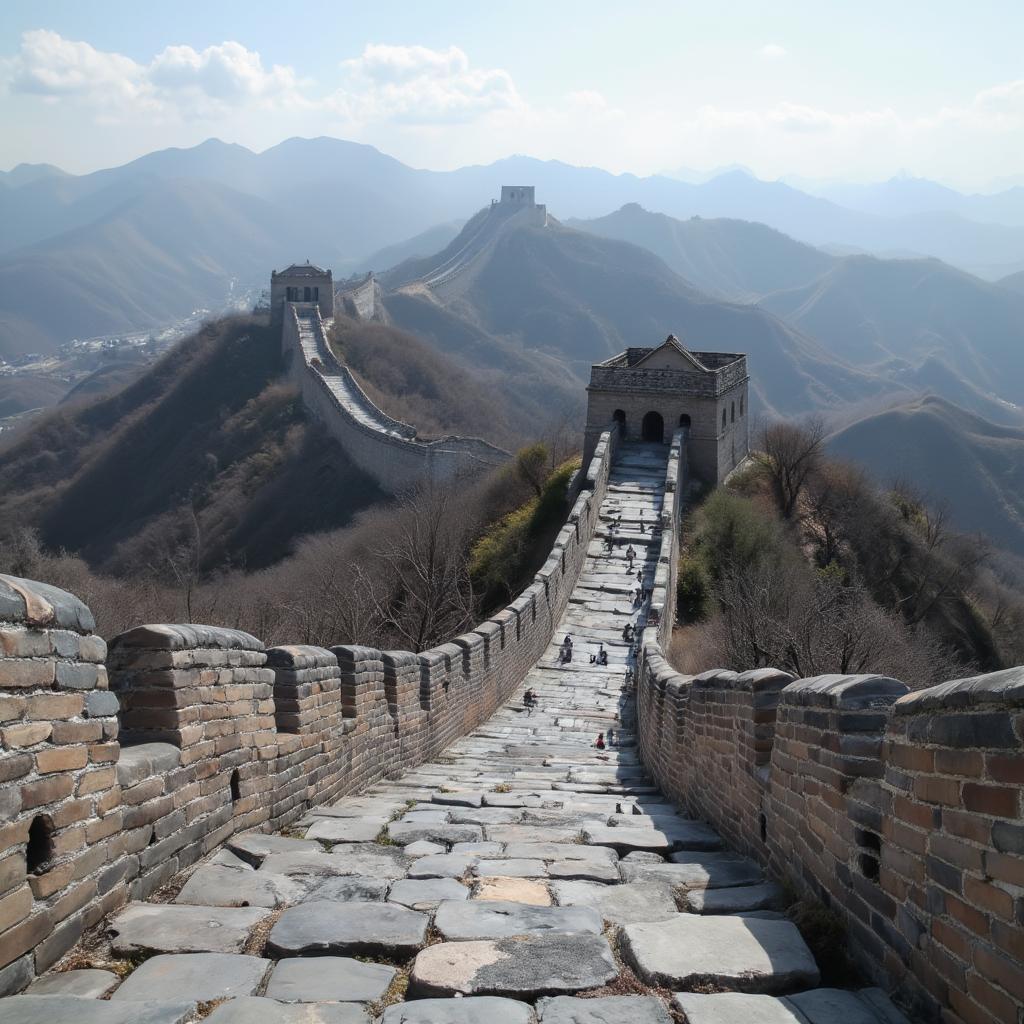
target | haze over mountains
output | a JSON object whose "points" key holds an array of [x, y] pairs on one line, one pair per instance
{"points": [[341, 203]]}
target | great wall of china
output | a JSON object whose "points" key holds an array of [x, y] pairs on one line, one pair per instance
{"points": [[512, 866], [385, 448]]}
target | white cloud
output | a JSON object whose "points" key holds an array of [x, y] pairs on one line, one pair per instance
{"points": [[772, 51], [179, 80], [418, 85]]}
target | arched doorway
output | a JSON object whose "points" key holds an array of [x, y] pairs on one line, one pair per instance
{"points": [[653, 427], [684, 421], [619, 416]]}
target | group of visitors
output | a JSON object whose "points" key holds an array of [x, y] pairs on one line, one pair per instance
{"points": [[565, 651], [600, 741], [601, 658]]}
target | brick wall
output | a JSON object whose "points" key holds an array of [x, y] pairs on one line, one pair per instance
{"points": [[220, 735], [60, 801]]}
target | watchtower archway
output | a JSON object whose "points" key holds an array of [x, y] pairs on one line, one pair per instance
{"points": [[684, 421], [653, 427], [619, 416]]}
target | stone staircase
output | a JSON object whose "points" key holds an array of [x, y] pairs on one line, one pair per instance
{"points": [[524, 877]]}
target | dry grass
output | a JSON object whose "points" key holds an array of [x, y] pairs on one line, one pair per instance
{"points": [[257, 940]]}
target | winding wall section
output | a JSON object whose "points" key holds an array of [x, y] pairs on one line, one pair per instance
{"points": [[385, 448]]}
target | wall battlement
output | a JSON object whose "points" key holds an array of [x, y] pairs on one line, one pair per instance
{"points": [[110, 787], [903, 813]]}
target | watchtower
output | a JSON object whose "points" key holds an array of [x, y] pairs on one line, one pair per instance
{"points": [[301, 282], [652, 392], [521, 195]]}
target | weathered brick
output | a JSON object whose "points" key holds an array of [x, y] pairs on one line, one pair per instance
{"points": [[103, 753], [988, 897], [96, 780], [77, 732], [61, 759], [45, 885], [11, 707], [15, 907], [15, 673], [48, 706], [26, 734], [1000, 969], [1005, 768], [46, 791], [999, 801], [25, 936], [937, 791]]}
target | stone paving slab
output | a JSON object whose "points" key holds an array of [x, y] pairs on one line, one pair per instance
{"points": [[628, 903], [735, 900], [346, 830], [249, 1010], [204, 976], [348, 889], [88, 983], [474, 1010], [495, 919], [523, 967], [215, 886], [443, 865], [47, 1009], [169, 928], [403, 834], [328, 979], [518, 890], [426, 893], [734, 952], [606, 1010], [711, 871], [370, 929], [254, 846]]}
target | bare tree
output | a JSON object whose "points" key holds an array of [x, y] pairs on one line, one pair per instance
{"points": [[791, 453], [417, 581]]}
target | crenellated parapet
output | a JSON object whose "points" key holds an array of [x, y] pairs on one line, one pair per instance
{"points": [[109, 790], [902, 813]]}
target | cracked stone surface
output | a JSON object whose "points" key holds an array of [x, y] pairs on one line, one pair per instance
{"points": [[516, 847], [323, 926], [87, 983], [328, 979]]}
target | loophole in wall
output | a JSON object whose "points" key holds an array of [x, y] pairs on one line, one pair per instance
{"points": [[868, 866], [762, 822], [39, 850], [236, 787]]}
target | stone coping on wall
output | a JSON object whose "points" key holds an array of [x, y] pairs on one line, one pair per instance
{"points": [[1005, 688], [179, 637], [40, 605], [844, 692]]}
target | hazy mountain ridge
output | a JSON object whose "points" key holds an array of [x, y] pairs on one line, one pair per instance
{"points": [[974, 467], [580, 298], [341, 203]]}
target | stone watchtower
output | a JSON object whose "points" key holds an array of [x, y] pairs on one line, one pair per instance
{"points": [[652, 392], [301, 282]]}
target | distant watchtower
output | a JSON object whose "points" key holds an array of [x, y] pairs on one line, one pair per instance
{"points": [[301, 282], [521, 194], [652, 392]]}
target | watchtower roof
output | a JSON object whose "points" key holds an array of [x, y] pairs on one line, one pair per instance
{"points": [[670, 366], [306, 269]]}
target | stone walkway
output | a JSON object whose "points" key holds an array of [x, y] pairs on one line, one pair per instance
{"points": [[493, 886]]}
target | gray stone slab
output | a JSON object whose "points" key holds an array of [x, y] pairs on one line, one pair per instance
{"points": [[369, 929], [349, 889], [481, 849], [626, 840], [736, 900], [440, 833], [421, 848], [510, 868], [53, 1009], [424, 893], [474, 1010], [833, 1006], [606, 1010], [734, 952], [737, 1008], [589, 871], [523, 967], [496, 919], [467, 799], [213, 885], [355, 859], [643, 857], [170, 928], [328, 979], [88, 983], [702, 871], [486, 816], [628, 903], [432, 816], [346, 830], [515, 834], [560, 851], [254, 846], [444, 865], [254, 1010], [204, 976]]}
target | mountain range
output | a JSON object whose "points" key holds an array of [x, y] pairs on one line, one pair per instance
{"points": [[341, 203]]}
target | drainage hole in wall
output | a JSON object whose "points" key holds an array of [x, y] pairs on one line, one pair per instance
{"points": [[39, 851]]}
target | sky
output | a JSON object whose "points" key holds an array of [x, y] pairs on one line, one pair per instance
{"points": [[823, 90]]}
